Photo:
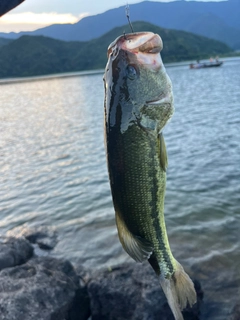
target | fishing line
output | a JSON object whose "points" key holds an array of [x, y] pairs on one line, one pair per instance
{"points": [[127, 11]]}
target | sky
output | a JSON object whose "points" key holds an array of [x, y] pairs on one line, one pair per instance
{"points": [[35, 14]]}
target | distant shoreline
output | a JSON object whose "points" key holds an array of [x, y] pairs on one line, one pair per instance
{"points": [[51, 76], [92, 72]]}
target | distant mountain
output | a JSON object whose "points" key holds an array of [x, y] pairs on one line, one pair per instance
{"points": [[39, 55], [4, 41], [217, 20]]}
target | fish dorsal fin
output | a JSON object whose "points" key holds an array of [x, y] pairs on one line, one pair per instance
{"points": [[162, 152], [138, 248]]}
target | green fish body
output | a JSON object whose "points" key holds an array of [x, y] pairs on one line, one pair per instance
{"points": [[138, 104]]}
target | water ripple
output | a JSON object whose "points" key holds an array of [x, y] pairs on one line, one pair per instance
{"points": [[53, 170]]}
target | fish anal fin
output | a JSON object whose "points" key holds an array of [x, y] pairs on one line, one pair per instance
{"points": [[162, 152], [138, 248]]}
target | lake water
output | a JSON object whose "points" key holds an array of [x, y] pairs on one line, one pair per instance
{"points": [[53, 172]]}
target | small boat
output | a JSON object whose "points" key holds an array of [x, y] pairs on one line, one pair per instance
{"points": [[201, 65]]}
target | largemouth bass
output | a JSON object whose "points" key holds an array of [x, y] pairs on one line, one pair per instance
{"points": [[138, 104]]}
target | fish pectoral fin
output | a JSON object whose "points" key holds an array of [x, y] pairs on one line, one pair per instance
{"points": [[138, 248], [162, 152]]}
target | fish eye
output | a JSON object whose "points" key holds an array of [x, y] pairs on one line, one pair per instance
{"points": [[131, 72]]}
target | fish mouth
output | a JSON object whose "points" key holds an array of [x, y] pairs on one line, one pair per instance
{"points": [[145, 42], [139, 42], [153, 45]]}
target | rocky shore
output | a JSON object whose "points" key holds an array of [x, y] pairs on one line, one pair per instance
{"points": [[46, 288]]}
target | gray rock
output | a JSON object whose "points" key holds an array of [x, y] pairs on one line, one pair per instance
{"points": [[44, 289], [14, 251], [44, 236], [132, 292], [235, 314]]}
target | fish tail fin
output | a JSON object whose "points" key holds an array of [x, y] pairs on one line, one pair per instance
{"points": [[179, 290]]}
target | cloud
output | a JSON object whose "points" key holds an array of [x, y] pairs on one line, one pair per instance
{"points": [[28, 21]]}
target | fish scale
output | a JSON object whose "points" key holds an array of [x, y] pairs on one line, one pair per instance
{"points": [[140, 188]]}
